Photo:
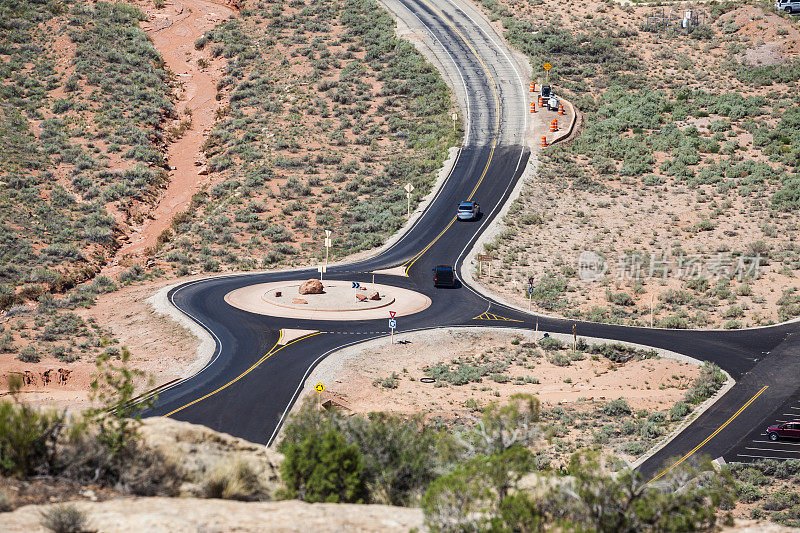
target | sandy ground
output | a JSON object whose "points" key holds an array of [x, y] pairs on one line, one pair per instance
{"points": [[349, 375], [174, 29], [629, 217], [159, 346]]}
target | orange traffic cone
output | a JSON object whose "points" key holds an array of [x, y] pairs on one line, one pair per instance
{"points": [[533, 107], [544, 141], [560, 109]]}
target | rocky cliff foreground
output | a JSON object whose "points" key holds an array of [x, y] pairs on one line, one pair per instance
{"points": [[179, 515]]}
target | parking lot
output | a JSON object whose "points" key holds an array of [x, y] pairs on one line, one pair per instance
{"points": [[758, 446]]}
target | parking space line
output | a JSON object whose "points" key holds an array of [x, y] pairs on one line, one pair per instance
{"points": [[759, 456], [777, 442], [769, 450]]}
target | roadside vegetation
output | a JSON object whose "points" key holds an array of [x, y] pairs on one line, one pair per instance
{"points": [[768, 489], [326, 116], [330, 115], [491, 476], [588, 423], [684, 178]]}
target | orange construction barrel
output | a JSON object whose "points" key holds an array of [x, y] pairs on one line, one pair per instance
{"points": [[544, 141]]}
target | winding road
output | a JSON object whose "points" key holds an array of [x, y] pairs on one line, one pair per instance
{"points": [[254, 377]]}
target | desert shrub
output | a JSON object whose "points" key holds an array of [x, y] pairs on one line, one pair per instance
{"points": [[621, 353], [780, 500], [324, 468], [748, 493], [399, 455], [617, 407], [28, 439], [710, 380], [559, 359], [390, 383], [470, 498], [234, 480], [5, 503], [28, 355], [64, 518], [679, 410], [550, 344], [620, 298]]}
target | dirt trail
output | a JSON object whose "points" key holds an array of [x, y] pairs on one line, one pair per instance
{"points": [[174, 29]]}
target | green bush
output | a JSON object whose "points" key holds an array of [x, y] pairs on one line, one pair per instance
{"points": [[617, 407], [679, 410], [28, 439], [324, 468], [711, 379], [550, 344]]}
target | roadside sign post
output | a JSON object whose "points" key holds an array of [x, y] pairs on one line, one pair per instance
{"points": [[321, 269], [547, 67], [319, 387], [455, 117], [356, 286], [392, 323], [327, 244], [408, 189], [481, 259], [530, 297], [536, 333], [574, 337]]}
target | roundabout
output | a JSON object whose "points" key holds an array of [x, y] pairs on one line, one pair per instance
{"points": [[338, 301]]}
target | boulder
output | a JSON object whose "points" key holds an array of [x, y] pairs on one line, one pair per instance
{"points": [[299, 301], [311, 286], [361, 297], [375, 296]]}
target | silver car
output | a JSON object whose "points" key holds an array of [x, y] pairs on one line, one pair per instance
{"points": [[789, 6], [468, 211]]}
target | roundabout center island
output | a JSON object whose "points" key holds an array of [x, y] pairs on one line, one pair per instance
{"points": [[328, 300]]}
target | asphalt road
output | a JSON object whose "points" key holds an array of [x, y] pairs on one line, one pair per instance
{"points": [[252, 381]]}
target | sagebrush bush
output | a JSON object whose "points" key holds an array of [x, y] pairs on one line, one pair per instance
{"points": [[235, 480], [64, 518]]}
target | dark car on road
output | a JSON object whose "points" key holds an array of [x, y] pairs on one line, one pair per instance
{"points": [[789, 430], [468, 211], [444, 276]]}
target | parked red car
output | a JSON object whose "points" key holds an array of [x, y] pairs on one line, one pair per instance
{"points": [[790, 429]]}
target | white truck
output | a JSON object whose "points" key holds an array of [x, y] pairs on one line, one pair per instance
{"points": [[789, 6]]}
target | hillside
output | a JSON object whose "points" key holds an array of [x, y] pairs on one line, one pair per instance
{"points": [[157, 140], [680, 194]]}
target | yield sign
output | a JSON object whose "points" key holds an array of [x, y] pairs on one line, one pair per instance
{"points": [[392, 313]]}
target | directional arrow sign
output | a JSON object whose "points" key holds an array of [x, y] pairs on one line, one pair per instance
{"points": [[392, 313], [356, 285], [392, 323]]}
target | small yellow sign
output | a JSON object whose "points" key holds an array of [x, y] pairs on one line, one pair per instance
{"points": [[547, 66], [319, 387]]}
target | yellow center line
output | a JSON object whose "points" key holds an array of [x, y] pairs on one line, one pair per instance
{"points": [[723, 426], [255, 365], [411, 261]]}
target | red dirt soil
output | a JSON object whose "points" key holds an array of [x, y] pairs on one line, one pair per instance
{"points": [[174, 29]]}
